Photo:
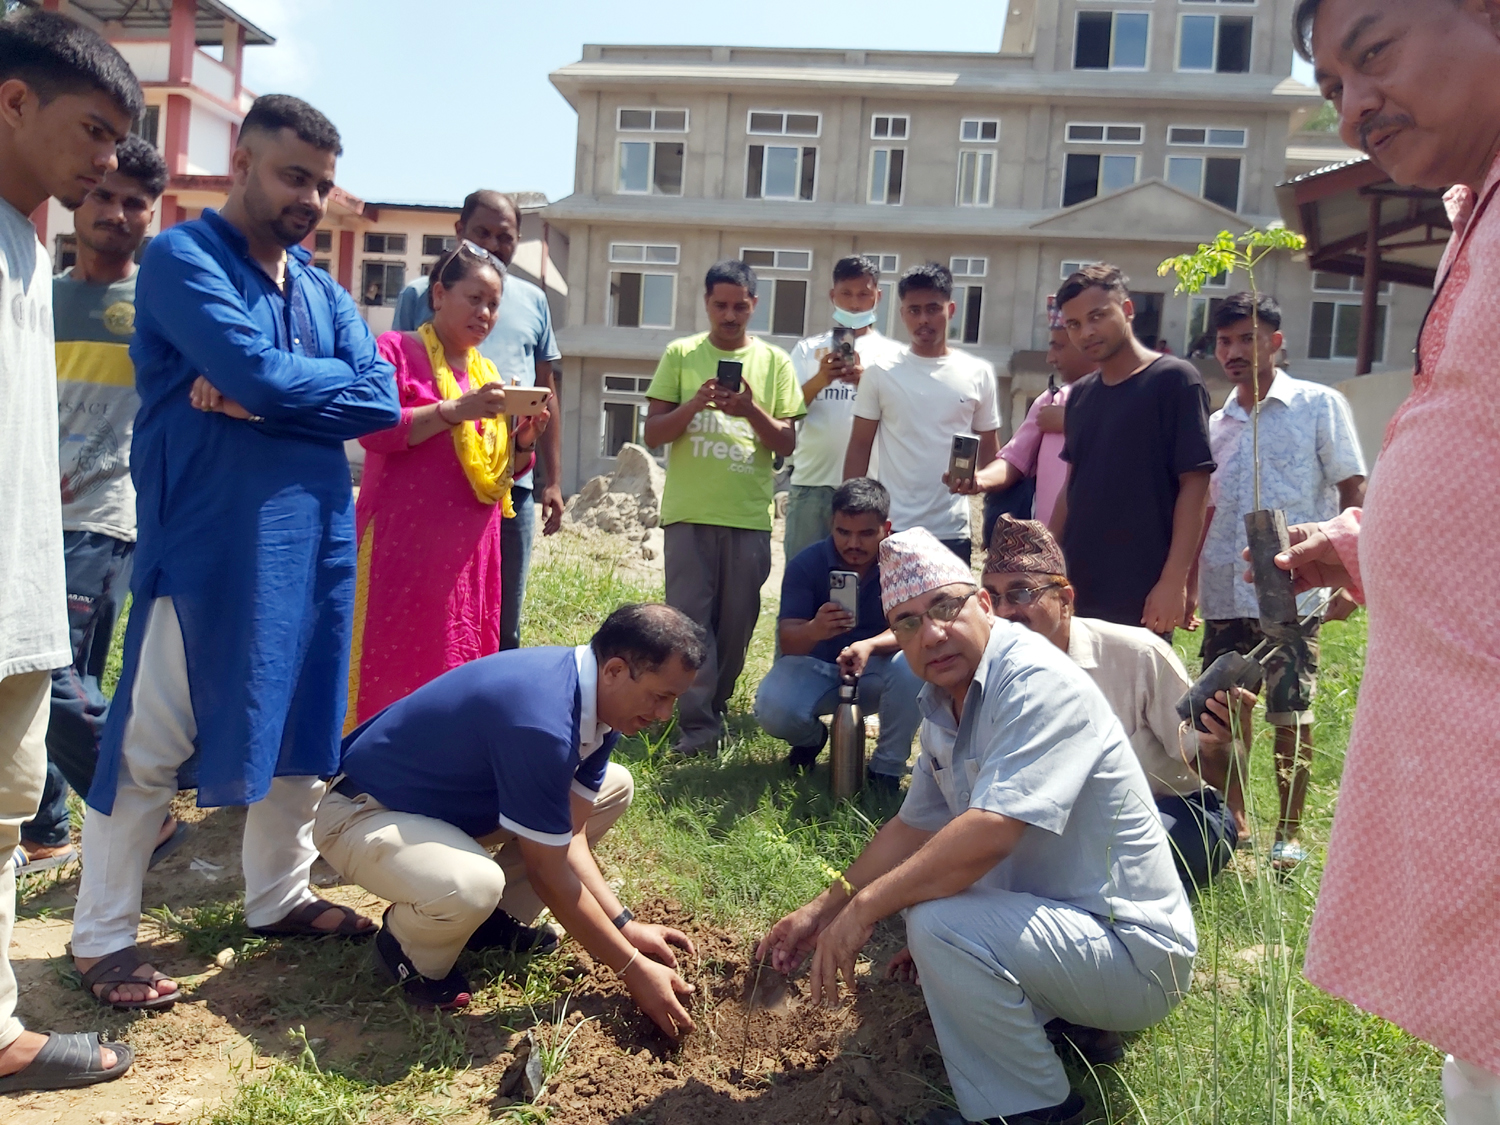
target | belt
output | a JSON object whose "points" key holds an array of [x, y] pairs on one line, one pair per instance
{"points": [[345, 787]]}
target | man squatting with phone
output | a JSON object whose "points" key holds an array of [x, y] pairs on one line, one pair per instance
{"points": [[831, 626]]}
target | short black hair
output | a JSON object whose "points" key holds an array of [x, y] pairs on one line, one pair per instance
{"points": [[856, 265], [56, 55], [647, 634], [494, 200], [1240, 306], [928, 275], [1100, 275], [457, 264], [143, 164], [730, 271], [272, 113], [859, 495]]}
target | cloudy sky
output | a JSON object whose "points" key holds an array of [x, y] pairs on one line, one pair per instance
{"points": [[438, 97]]}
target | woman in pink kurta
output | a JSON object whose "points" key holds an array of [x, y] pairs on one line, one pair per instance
{"points": [[1406, 920], [428, 593]]}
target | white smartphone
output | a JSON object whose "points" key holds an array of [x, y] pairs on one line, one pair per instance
{"points": [[843, 590]]}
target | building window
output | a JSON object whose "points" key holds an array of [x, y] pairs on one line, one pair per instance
{"points": [[782, 308], [323, 242], [65, 253], [974, 130], [888, 263], [964, 327], [1099, 133], [887, 166], [1090, 174], [643, 300], [781, 172], [383, 281], [776, 124], [776, 259], [1202, 135], [976, 176], [1335, 331], [435, 245], [1342, 283], [1068, 269], [385, 243], [149, 125], [1111, 41], [657, 255], [324, 264], [650, 168], [884, 127], [1214, 43], [652, 120], [1215, 178], [622, 412], [968, 267]]}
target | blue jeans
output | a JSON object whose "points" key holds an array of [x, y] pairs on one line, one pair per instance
{"points": [[516, 537], [809, 518], [798, 690], [98, 570], [1203, 836]]}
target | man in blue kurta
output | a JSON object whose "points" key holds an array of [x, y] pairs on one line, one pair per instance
{"points": [[253, 368]]}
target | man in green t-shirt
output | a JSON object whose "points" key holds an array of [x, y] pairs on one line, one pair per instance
{"points": [[716, 508]]}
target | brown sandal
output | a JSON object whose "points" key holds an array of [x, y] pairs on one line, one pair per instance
{"points": [[119, 968], [299, 923]]}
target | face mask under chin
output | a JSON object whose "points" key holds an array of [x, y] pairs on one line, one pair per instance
{"points": [[853, 319]]}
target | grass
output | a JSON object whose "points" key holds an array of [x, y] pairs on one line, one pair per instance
{"points": [[738, 841]]}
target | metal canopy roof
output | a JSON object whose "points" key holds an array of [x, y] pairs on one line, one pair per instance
{"points": [[1338, 207], [146, 17]]}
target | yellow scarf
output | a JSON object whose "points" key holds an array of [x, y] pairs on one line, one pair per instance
{"points": [[484, 453]]}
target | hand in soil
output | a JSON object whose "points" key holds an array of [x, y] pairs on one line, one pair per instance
{"points": [[838, 946], [655, 989], [903, 967], [792, 938], [656, 941]]}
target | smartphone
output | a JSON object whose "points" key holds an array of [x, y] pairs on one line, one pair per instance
{"points": [[843, 590], [962, 460], [524, 402], [730, 374], [843, 342]]}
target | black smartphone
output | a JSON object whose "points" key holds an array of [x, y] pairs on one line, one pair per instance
{"points": [[962, 460], [730, 374], [843, 342]]}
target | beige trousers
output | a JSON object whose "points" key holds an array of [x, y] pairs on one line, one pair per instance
{"points": [[441, 881], [23, 770]]}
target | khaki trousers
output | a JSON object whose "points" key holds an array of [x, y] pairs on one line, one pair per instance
{"points": [[23, 770], [442, 882]]}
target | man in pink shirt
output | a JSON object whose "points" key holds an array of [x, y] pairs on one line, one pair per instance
{"points": [[1036, 448]]}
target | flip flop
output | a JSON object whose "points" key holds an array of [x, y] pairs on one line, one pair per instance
{"points": [[180, 835], [299, 923], [119, 968], [25, 865], [67, 1061]]}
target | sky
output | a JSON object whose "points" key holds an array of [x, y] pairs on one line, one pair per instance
{"points": [[436, 98]]}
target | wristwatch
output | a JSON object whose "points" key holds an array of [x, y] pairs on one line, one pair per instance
{"points": [[623, 917]]}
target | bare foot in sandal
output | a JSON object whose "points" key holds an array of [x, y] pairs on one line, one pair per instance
{"points": [[126, 981], [21, 1051], [317, 919]]}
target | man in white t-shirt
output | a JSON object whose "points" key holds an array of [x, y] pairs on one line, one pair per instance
{"points": [[915, 404], [829, 380]]}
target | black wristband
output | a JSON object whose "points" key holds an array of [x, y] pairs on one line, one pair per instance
{"points": [[623, 917]]}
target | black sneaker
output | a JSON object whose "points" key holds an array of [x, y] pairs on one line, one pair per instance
{"points": [[1096, 1046], [801, 758], [886, 784], [501, 931], [1069, 1112], [448, 994]]}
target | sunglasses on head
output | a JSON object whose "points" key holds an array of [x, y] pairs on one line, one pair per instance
{"points": [[474, 252]]}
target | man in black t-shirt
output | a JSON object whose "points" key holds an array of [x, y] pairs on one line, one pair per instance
{"points": [[1135, 436]]}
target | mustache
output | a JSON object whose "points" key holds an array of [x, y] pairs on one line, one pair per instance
{"points": [[1379, 123]]}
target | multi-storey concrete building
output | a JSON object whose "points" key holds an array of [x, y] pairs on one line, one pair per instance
{"points": [[1119, 130]]}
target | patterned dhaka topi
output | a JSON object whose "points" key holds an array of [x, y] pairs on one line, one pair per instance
{"points": [[1054, 314], [1023, 547], [914, 562]]}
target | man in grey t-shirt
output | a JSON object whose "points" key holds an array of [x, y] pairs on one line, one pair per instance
{"points": [[524, 351], [1033, 870]]}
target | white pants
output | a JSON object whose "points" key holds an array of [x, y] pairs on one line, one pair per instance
{"points": [[277, 852], [1471, 1093], [24, 708], [442, 882], [997, 966]]}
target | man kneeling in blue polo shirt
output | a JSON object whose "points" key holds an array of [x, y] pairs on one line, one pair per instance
{"points": [[821, 641], [510, 753]]}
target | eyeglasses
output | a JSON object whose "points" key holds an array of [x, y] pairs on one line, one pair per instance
{"points": [[942, 611], [1022, 596]]}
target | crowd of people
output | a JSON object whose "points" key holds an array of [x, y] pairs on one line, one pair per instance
{"points": [[352, 672]]}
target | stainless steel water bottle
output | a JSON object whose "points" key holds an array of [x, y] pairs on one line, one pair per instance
{"points": [[846, 742]]}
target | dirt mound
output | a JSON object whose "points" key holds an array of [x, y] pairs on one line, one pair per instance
{"points": [[780, 1059], [627, 503]]}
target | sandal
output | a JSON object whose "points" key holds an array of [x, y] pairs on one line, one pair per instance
{"points": [[66, 1062], [1287, 855], [25, 865], [180, 835], [119, 968], [299, 923]]}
